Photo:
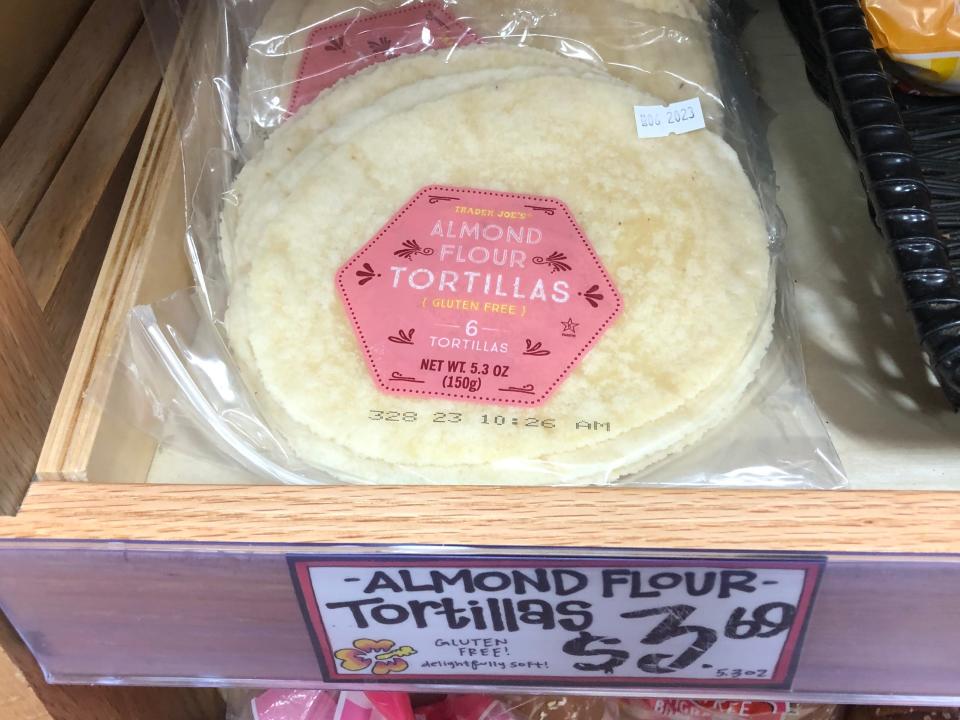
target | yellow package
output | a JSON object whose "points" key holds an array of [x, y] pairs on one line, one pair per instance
{"points": [[922, 35]]}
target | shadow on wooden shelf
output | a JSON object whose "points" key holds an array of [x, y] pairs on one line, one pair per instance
{"points": [[24, 695]]}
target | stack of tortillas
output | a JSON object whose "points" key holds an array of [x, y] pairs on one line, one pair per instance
{"points": [[674, 220]]}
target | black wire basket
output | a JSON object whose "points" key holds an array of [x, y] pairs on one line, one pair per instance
{"points": [[908, 150]]}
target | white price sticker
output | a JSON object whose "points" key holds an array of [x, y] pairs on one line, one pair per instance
{"points": [[656, 121], [557, 623]]}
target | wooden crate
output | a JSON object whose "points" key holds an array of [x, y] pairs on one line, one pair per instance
{"points": [[92, 491], [116, 501], [64, 168], [199, 573]]}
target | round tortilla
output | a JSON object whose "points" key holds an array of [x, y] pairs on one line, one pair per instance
{"points": [[356, 102], [675, 221]]}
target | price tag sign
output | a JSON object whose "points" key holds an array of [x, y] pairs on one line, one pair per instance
{"points": [[501, 621]]}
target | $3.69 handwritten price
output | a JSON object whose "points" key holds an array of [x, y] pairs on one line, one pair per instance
{"points": [[765, 621]]}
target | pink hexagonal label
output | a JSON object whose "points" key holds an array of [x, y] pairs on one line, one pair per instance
{"points": [[477, 295]]}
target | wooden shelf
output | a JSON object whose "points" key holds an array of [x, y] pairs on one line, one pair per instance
{"points": [[536, 518], [200, 575]]}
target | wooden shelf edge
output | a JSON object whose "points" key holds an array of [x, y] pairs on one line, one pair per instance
{"points": [[68, 444], [609, 518]]}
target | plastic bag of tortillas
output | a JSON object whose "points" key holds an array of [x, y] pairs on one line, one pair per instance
{"points": [[482, 241]]}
